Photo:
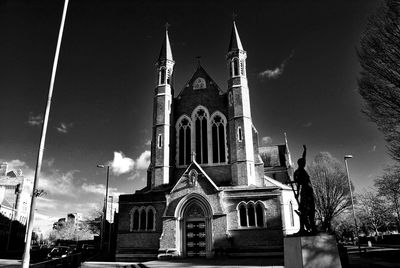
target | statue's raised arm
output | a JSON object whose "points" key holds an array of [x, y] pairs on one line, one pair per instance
{"points": [[304, 152]]}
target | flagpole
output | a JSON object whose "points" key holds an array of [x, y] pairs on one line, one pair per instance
{"points": [[26, 257]]}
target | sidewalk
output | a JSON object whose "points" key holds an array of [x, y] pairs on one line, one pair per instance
{"points": [[197, 263]]}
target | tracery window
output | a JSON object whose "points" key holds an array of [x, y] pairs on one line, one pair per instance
{"points": [[201, 122], [199, 83], [218, 130], [251, 214], [184, 141], [142, 219]]}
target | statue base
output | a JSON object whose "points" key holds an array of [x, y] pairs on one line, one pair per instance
{"points": [[311, 251]]}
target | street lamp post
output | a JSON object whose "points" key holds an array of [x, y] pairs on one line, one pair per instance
{"points": [[105, 206], [348, 156], [109, 229]]}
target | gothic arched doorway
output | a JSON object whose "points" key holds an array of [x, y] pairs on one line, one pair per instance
{"points": [[194, 233]]}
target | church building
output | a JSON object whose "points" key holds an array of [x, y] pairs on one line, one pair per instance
{"points": [[211, 189]]}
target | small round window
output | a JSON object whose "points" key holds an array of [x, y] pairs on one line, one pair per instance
{"points": [[199, 83]]}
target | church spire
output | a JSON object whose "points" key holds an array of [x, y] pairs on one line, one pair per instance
{"points": [[166, 52], [235, 43]]}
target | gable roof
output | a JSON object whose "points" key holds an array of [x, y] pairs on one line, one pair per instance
{"points": [[188, 169], [271, 182], [200, 72]]}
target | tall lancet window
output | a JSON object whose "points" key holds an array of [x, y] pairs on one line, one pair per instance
{"points": [[218, 127], [200, 120], [184, 141], [235, 63], [162, 76]]}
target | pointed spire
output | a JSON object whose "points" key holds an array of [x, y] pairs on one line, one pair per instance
{"points": [[235, 43], [166, 52], [287, 147]]}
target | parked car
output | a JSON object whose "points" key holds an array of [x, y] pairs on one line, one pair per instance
{"points": [[60, 252]]}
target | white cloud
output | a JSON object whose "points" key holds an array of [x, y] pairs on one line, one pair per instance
{"points": [[64, 127], [277, 71], [373, 149], [35, 120], [143, 161], [58, 183], [148, 142], [97, 188], [273, 73], [266, 140], [121, 164], [308, 124]]}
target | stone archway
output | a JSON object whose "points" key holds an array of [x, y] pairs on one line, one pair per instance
{"points": [[194, 226]]}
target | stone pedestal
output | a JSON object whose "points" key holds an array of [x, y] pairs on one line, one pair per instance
{"points": [[311, 251]]}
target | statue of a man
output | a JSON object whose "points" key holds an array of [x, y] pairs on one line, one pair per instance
{"points": [[306, 194]]}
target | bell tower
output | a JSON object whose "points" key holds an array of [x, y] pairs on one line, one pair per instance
{"points": [[160, 145], [240, 123]]}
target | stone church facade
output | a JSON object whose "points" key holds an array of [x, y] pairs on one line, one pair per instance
{"points": [[211, 189]]}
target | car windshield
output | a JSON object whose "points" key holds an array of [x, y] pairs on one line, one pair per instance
{"points": [[58, 251]]}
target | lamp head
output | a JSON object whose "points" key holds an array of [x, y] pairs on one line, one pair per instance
{"points": [[100, 166], [348, 156]]}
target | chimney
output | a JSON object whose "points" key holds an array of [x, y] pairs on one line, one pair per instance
{"points": [[3, 169]]}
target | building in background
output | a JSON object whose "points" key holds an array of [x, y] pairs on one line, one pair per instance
{"points": [[210, 188], [15, 199]]}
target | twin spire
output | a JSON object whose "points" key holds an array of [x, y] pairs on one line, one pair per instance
{"points": [[166, 52]]}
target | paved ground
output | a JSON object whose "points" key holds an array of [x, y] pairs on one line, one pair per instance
{"points": [[374, 257], [197, 263], [369, 258]]}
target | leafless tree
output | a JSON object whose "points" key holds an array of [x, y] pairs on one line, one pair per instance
{"points": [[388, 187], [373, 211], [331, 189]]}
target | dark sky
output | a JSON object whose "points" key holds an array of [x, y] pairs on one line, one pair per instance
{"points": [[103, 96]]}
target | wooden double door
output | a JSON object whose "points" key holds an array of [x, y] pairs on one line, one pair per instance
{"points": [[195, 238]]}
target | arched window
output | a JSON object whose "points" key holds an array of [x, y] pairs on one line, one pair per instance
{"points": [[230, 98], [218, 128], [142, 219], [251, 214], [184, 141], [135, 225], [201, 139], [235, 67], [243, 215], [260, 214], [291, 213], [150, 219], [161, 76]]}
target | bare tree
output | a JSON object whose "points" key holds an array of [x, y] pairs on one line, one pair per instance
{"points": [[379, 81], [388, 187], [373, 211], [331, 189]]}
